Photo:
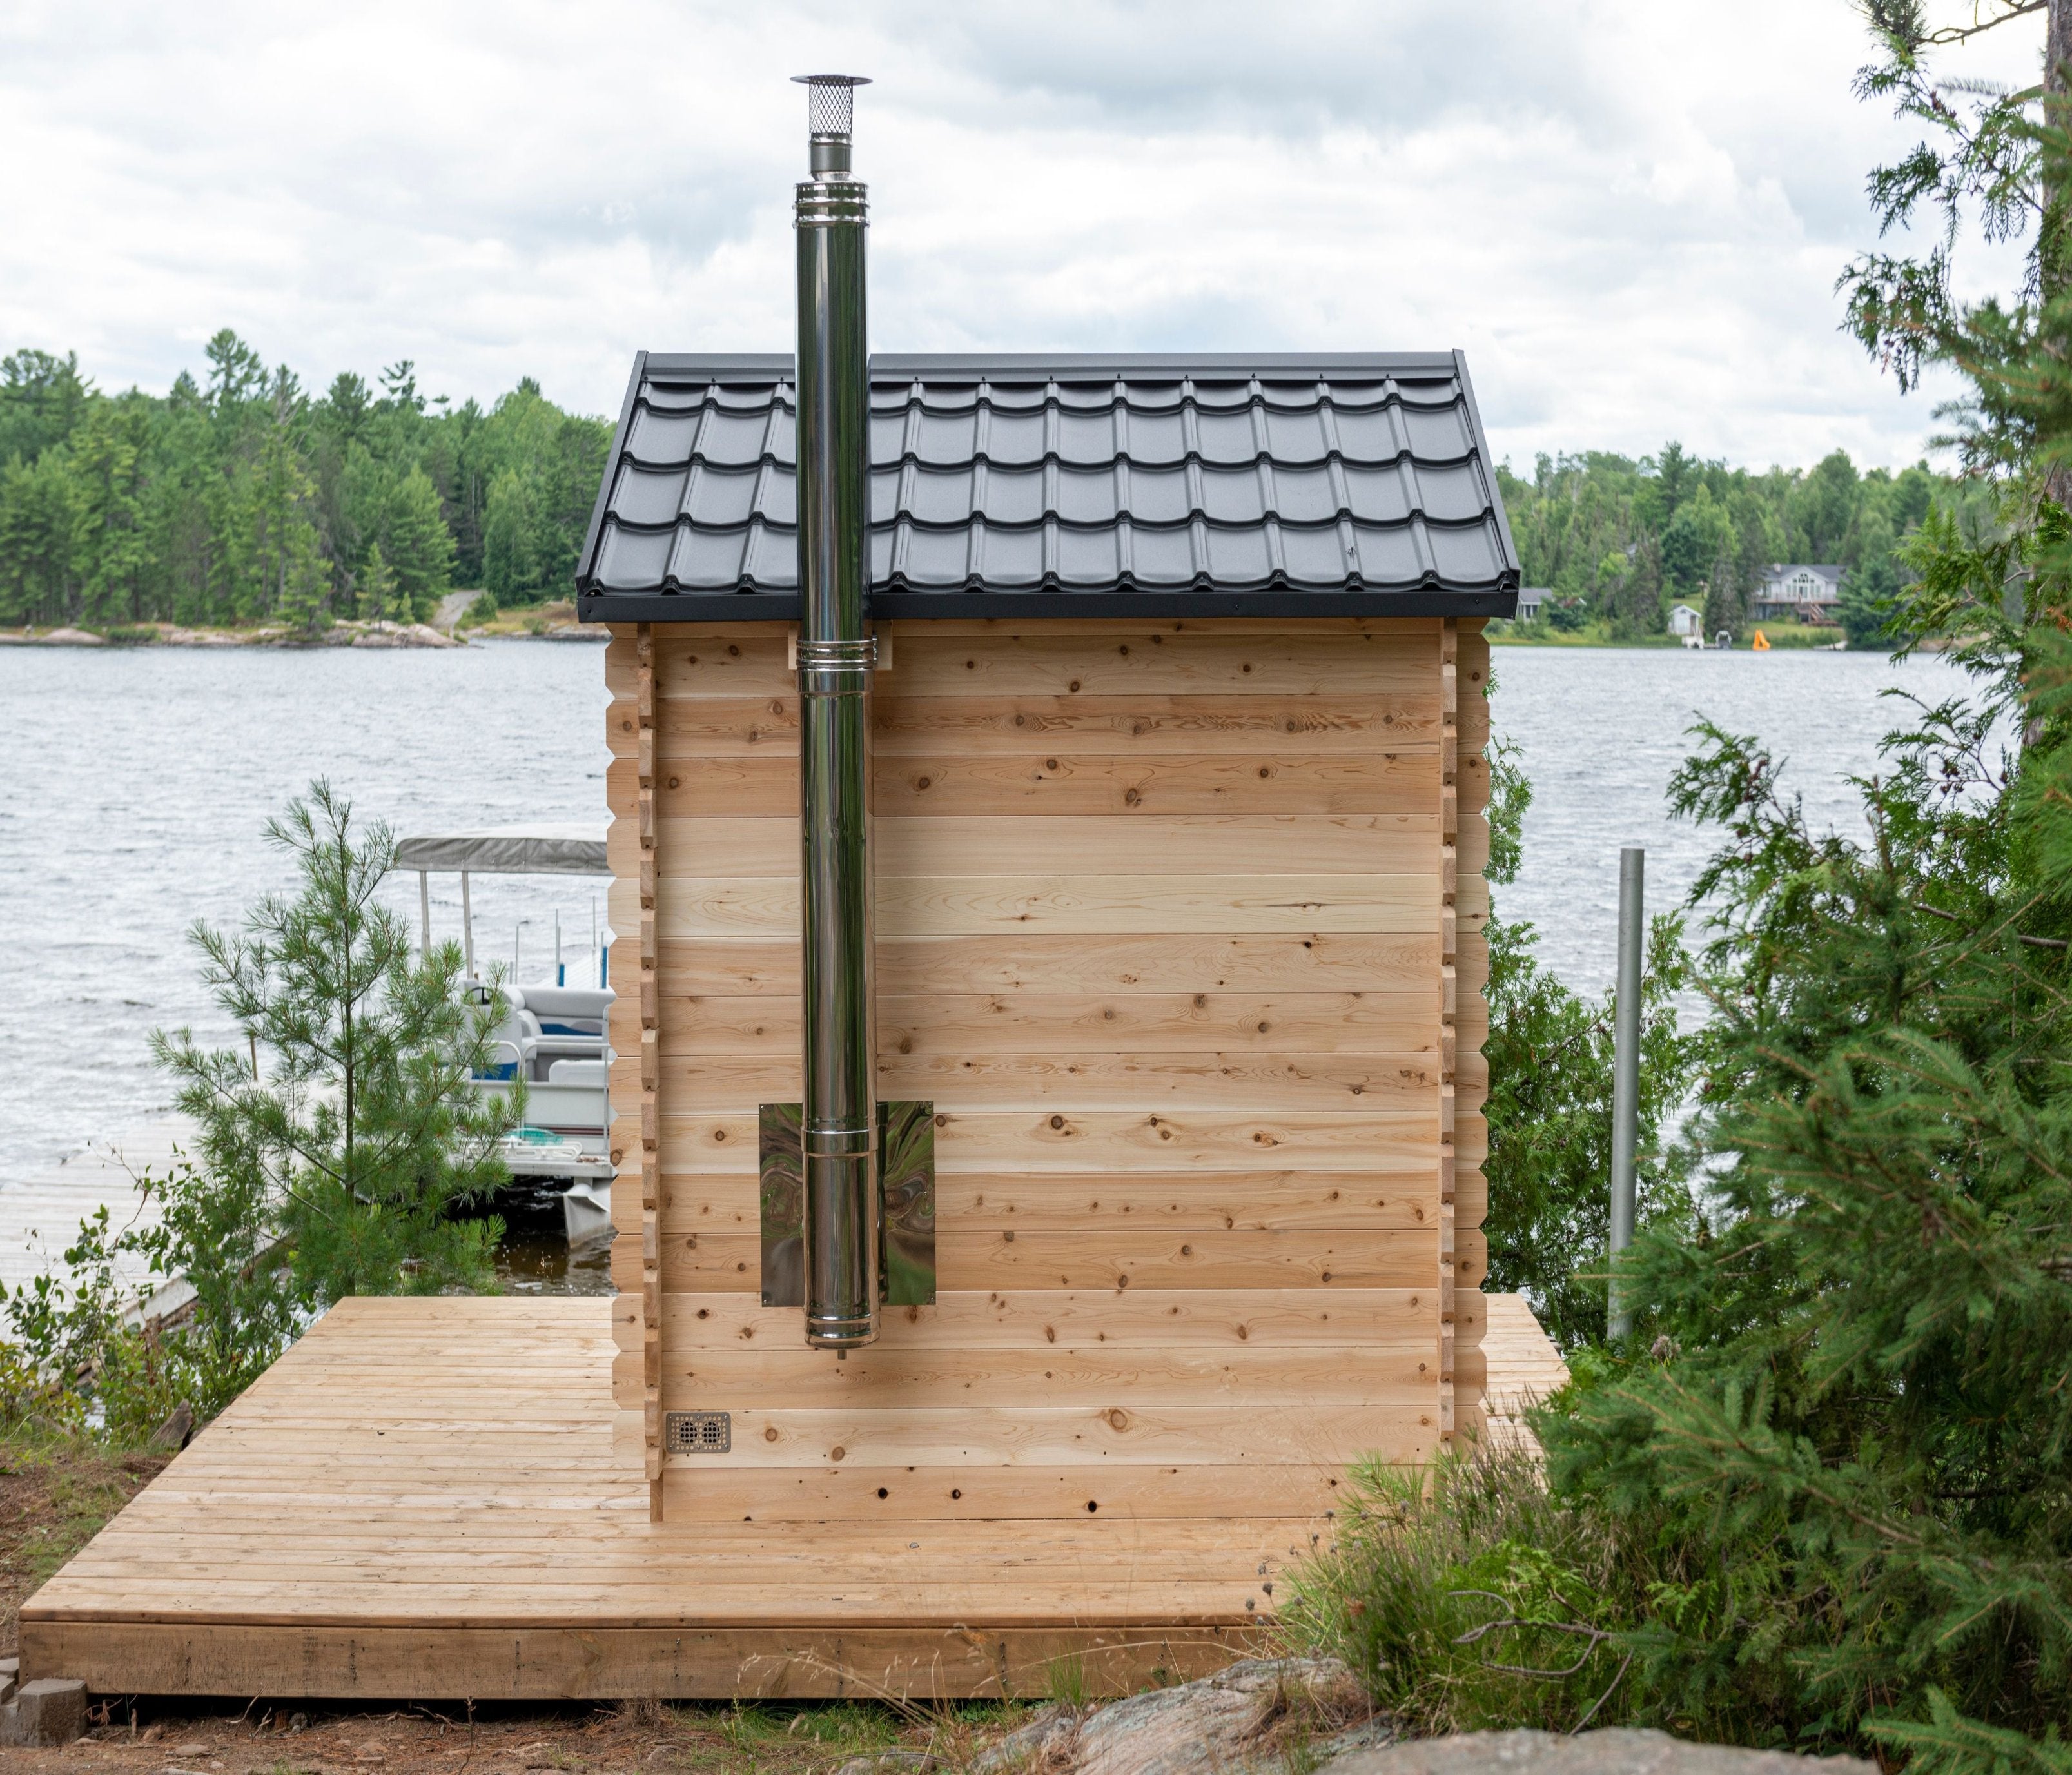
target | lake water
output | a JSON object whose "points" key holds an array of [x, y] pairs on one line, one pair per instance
{"points": [[136, 804], [142, 781], [1602, 731]]}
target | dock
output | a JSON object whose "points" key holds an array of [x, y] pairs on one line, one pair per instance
{"points": [[425, 1499], [41, 1209]]}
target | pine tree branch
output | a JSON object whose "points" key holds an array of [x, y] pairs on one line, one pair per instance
{"points": [[1961, 34], [1986, 937], [1616, 1675]]}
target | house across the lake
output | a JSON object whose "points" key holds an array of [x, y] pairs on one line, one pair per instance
{"points": [[1530, 600], [1686, 624], [1805, 593]]}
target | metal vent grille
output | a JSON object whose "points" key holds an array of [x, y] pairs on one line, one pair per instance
{"points": [[698, 1432], [831, 101]]}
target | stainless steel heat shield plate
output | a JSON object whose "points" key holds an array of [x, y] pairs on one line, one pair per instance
{"points": [[906, 1189]]}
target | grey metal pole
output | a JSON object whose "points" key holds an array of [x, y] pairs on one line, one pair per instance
{"points": [[1625, 1067], [838, 1123]]}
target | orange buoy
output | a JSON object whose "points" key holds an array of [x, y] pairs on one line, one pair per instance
{"points": [[1762, 642]]}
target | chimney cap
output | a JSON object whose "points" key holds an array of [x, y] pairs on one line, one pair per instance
{"points": [[831, 101]]}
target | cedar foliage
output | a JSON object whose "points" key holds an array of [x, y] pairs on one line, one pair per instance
{"points": [[1843, 1434], [1839, 1442]]}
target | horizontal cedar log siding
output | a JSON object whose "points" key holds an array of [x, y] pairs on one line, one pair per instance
{"points": [[1159, 931]]}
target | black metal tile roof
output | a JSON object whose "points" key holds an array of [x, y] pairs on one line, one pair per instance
{"points": [[1037, 486]]}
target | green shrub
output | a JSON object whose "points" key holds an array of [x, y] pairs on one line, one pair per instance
{"points": [[80, 1358], [1467, 1597], [335, 1143]]}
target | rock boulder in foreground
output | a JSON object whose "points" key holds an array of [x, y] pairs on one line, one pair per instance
{"points": [[1616, 1750], [1216, 1726], [1261, 1714]]}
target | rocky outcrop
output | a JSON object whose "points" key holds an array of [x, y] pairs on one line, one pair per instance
{"points": [[53, 638], [1249, 1716], [1263, 1716], [401, 634], [1616, 1750], [169, 634]]}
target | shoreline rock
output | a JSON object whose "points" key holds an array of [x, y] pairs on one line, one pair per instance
{"points": [[168, 635], [57, 637]]}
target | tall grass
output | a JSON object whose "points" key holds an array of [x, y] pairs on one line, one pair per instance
{"points": [[1466, 1597]]}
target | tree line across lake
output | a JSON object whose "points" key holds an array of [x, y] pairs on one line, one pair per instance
{"points": [[1616, 541], [242, 497]]}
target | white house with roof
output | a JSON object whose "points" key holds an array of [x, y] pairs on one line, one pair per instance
{"points": [[1800, 590]]}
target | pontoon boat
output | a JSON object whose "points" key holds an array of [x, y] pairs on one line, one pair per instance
{"points": [[553, 1035]]}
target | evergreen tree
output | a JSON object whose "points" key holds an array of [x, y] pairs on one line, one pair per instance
{"points": [[1637, 608], [420, 547], [1693, 541], [378, 597], [1726, 603], [236, 499], [509, 569], [41, 517], [235, 372], [41, 400], [1838, 1446], [361, 1137], [108, 463], [286, 577]]}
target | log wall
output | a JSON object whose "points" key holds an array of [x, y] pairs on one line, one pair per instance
{"points": [[1180, 926]]}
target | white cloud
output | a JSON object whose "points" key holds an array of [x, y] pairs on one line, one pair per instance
{"points": [[1630, 213]]}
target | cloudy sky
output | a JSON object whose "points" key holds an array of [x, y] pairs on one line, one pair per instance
{"points": [[1629, 213]]}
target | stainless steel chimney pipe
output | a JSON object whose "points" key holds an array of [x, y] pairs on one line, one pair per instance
{"points": [[839, 1118]]}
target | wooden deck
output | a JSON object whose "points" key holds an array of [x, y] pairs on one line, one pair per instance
{"points": [[423, 1499]]}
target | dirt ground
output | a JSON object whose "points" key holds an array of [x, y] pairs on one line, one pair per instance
{"points": [[813, 1738], [54, 1498]]}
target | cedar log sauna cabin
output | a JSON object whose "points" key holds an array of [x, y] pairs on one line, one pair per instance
{"points": [[1047, 817]]}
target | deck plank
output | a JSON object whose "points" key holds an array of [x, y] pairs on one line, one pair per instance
{"points": [[426, 1499]]}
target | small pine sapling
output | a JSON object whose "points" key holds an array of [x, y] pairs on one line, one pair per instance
{"points": [[343, 1116]]}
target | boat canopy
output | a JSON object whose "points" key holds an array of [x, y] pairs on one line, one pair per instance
{"points": [[511, 850]]}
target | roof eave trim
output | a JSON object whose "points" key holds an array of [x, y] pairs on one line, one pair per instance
{"points": [[1051, 606], [1514, 570], [594, 537], [1038, 366]]}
